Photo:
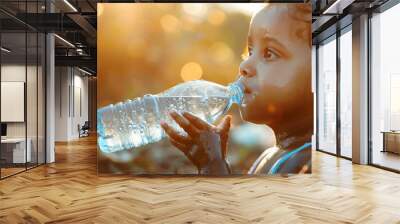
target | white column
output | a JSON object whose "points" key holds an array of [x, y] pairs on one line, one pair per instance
{"points": [[360, 90], [50, 100], [50, 92]]}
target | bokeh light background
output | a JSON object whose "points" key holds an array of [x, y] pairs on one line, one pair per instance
{"points": [[149, 47]]}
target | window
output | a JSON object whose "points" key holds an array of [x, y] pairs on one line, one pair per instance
{"points": [[346, 93], [327, 96], [385, 89]]}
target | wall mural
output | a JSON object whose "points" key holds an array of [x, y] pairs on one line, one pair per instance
{"points": [[204, 89]]}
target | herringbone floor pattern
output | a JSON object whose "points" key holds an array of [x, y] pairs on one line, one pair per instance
{"points": [[70, 191]]}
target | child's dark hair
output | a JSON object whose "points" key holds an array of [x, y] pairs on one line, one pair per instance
{"points": [[300, 12]]}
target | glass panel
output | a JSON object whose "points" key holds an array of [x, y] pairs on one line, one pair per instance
{"points": [[13, 90], [327, 96], [22, 89], [41, 89], [385, 114], [31, 100], [346, 94], [41, 98]]}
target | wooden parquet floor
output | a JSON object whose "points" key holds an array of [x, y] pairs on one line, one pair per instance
{"points": [[70, 191]]}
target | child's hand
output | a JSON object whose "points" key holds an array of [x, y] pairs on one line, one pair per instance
{"points": [[205, 145]]}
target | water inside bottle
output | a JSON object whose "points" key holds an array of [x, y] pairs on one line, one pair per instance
{"points": [[140, 125], [207, 108]]}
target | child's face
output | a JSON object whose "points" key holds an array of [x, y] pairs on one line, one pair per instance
{"points": [[277, 73]]}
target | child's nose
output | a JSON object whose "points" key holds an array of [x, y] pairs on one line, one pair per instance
{"points": [[246, 69]]}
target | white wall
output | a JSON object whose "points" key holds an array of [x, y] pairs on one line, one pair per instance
{"points": [[16, 73], [79, 117], [61, 103], [71, 94]]}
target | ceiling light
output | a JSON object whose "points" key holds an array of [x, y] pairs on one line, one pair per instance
{"points": [[70, 5], [5, 50], [84, 71], [65, 41], [337, 7]]}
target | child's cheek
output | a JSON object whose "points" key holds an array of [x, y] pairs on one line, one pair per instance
{"points": [[277, 74]]}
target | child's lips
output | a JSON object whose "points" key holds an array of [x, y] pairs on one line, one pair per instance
{"points": [[248, 97], [246, 90]]}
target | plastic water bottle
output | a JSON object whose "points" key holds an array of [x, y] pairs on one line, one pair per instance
{"points": [[136, 122]]}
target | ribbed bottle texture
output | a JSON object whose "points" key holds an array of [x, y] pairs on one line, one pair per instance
{"points": [[136, 122]]}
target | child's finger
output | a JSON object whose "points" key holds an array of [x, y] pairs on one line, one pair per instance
{"points": [[185, 124], [179, 145], [175, 135], [196, 121], [224, 126]]}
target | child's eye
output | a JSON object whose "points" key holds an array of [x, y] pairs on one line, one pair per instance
{"points": [[270, 54], [247, 54], [250, 51]]}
